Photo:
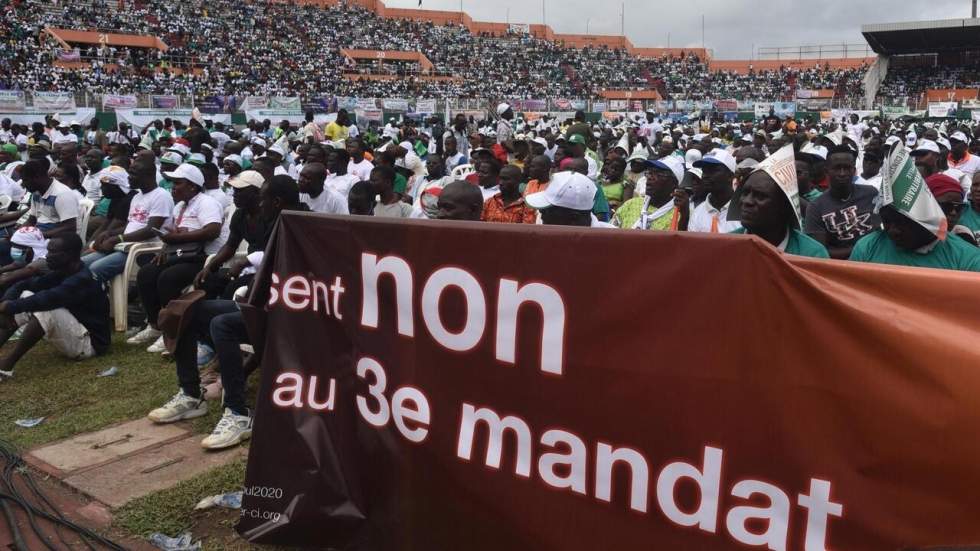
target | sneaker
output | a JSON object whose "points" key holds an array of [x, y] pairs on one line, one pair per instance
{"points": [[204, 354], [148, 334], [230, 430], [4, 375], [157, 347], [181, 406]]}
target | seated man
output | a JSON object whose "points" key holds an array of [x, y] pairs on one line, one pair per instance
{"points": [[146, 211], [221, 323], [916, 234], [54, 207], [67, 306], [768, 206]]}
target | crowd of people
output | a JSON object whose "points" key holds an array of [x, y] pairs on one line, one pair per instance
{"points": [[201, 200], [902, 84], [270, 48]]}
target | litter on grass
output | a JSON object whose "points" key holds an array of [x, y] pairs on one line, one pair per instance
{"points": [[232, 500], [28, 423], [109, 372], [180, 543]]}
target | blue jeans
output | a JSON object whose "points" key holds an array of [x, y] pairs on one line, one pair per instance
{"points": [[105, 266]]}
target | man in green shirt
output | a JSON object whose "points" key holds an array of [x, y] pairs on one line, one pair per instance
{"points": [[915, 227], [768, 206]]}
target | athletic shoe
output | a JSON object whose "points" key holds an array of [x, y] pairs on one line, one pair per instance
{"points": [[157, 347], [181, 406], [148, 334], [230, 430], [204, 354], [4, 375]]}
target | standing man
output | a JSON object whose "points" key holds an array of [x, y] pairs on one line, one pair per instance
{"points": [[337, 131], [504, 130], [358, 166], [458, 131], [846, 212]]}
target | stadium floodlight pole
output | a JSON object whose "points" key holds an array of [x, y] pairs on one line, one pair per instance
{"points": [[544, 14], [622, 20], [974, 9]]}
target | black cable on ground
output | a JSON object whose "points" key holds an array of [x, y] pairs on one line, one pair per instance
{"points": [[14, 465], [19, 543]]}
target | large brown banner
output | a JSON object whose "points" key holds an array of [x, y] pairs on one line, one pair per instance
{"points": [[434, 386]]}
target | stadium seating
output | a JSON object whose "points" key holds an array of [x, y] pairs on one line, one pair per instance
{"points": [[273, 48]]}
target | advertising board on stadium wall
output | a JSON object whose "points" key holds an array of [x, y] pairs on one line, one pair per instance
{"points": [[164, 102], [294, 116], [425, 106], [395, 104], [116, 101], [12, 100], [942, 109], [141, 118], [31, 116], [54, 101], [284, 102], [455, 406], [366, 103], [726, 105]]}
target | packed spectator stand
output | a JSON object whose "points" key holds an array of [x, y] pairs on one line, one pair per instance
{"points": [[270, 48]]}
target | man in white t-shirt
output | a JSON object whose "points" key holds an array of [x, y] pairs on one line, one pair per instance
{"points": [[337, 178], [63, 135], [53, 206], [312, 180], [92, 183], [358, 166], [149, 209], [197, 220]]}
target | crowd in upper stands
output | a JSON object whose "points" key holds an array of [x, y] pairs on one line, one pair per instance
{"points": [[903, 83], [271, 48]]}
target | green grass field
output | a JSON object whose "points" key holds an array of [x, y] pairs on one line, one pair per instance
{"points": [[74, 400]]}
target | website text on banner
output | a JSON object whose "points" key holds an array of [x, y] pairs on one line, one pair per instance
{"points": [[413, 402]]}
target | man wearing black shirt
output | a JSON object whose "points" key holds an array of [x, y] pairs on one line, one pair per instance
{"points": [[68, 307]]}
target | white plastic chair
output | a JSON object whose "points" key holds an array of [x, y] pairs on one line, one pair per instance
{"points": [[85, 207], [462, 171], [119, 288]]}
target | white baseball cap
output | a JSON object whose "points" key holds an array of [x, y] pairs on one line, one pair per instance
{"points": [[541, 141], [502, 108], [718, 157], [926, 146], [959, 137], [570, 190], [188, 172], [672, 163], [248, 178]]}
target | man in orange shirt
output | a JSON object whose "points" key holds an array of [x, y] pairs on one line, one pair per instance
{"points": [[539, 172], [508, 204]]}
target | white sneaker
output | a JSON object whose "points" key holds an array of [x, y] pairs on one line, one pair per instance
{"points": [[229, 431], [148, 334], [157, 347], [181, 406], [4, 375]]}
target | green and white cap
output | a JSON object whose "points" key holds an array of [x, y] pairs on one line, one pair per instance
{"points": [[905, 190]]}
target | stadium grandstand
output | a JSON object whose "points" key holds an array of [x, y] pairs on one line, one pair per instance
{"points": [[925, 61], [225, 47]]}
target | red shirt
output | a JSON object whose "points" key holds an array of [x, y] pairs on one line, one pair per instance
{"points": [[517, 212]]}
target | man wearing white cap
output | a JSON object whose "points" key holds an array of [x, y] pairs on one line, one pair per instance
{"points": [[657, 209], [718, 171], [567, 201], [959, 155], [195, 231], [63, 135], [504, 130], [149, 209]]}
